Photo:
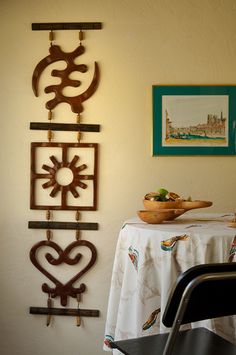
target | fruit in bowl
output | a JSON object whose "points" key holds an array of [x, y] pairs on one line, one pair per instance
{"points": [[161, 199], [153, 201], [163, 195]]}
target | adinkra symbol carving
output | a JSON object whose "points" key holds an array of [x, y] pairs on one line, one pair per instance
{"points": [[63, 256], [57, 54]]}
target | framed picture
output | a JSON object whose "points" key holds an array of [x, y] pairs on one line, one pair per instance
{"points": [[194, 120]]}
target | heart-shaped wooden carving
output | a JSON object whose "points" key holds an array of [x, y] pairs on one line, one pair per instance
{"points": [[67, 289]]}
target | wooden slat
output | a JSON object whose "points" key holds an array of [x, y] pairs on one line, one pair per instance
{"points": [[62, 225], [50, 26], [65, 311], [64, 127]]}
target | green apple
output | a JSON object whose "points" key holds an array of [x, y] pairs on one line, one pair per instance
{"points": [[163, 192]]}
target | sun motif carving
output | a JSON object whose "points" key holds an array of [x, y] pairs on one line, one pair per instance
{"points": [[64, 176], [76, 180]]}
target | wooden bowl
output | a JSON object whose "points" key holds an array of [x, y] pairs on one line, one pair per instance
{"points": [[186, 205], [157, 205], [178, 212], [189, 205], [155, 217]]}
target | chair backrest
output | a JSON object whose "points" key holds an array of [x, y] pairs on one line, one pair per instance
{"points": [[209, 299]]}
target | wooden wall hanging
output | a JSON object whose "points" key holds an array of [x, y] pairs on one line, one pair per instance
{"points": [[56, 54], [50, 170], [63, 290], [83, 176]]}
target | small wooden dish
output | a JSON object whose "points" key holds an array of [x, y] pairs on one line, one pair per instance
{"points": [[156, 217], [157, 205], [186, 205], [190, 205]]}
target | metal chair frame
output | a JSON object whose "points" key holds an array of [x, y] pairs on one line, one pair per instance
{"points": [[175, 312], [185, 300]]}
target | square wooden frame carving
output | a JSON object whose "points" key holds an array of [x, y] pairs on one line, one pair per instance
{"points": [[50, 172]]}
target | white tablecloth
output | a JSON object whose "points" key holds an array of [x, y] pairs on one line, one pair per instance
{"points": [[148, 260]]}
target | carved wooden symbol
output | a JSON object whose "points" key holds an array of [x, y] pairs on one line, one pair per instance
{"points": [[79, 191], [79, 177], [56, 54], [60, 289]]}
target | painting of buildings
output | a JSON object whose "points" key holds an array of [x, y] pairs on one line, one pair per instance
{"points": [[209, 128]]}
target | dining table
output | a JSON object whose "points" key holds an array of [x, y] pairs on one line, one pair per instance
{"points": [[148, 260]]}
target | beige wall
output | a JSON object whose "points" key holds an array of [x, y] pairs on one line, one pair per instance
{"points": [[143, 42]]}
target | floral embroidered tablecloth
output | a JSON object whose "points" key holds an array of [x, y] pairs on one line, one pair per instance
{"points": [[148, 260]]}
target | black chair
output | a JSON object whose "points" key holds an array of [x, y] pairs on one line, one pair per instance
{"points": [[203, 292]]}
